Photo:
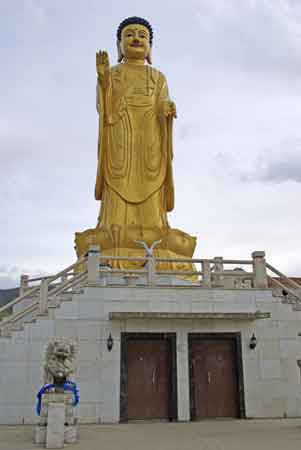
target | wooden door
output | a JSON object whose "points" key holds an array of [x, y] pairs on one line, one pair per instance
{"points": [[214, 378], [148, 379]]}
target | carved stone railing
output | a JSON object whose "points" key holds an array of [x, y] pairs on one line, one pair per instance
{"points": [[287, 285], [209, 273], [34, 301], [95, 270], [212, 272]]}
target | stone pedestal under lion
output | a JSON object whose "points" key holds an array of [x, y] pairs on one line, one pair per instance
{"points": [[57, 422]]}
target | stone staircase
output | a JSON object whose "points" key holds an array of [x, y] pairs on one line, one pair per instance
{"points": [[41, 300]]}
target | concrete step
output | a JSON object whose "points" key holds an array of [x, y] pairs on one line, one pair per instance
{"points": [[6, 334], [17, 328], [66, 298], [27, 322]]}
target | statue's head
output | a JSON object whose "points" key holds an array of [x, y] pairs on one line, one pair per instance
{"points": [[134, 39]]}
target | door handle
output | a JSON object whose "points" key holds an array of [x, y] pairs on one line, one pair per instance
{"points": [[153, 377], [209, 377]]}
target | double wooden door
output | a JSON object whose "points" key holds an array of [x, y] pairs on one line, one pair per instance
{"points": [[148, 379], [214, 383]]}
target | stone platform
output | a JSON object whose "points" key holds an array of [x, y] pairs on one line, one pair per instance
{"points": [[108, 308], [271, 376]]}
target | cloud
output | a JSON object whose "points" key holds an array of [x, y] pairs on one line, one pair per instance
{"points": [[37, 11], [283, 170], [276, 166], [233, 69], [255, 34], [10, 275], [187, 130]]}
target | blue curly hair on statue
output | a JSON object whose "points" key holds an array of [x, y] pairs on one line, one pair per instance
{"points": [[134, 21]]}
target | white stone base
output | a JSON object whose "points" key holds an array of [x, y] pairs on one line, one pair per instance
{"points": [[271, 376], [40, 434], [55, 426], [70, 434]]}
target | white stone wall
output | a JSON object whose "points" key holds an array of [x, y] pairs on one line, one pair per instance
{"points": [[271, 375]]}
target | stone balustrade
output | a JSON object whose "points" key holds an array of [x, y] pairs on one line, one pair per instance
{"points": [[213, 272], [96, 269]]}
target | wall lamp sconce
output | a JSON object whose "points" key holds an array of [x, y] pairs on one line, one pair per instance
{"points": [[110, 342], [253, 342]]}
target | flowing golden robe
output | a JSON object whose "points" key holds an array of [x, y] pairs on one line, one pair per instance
{"points": [[134, 175]]}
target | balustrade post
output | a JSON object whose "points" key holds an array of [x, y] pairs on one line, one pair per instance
{"points": [[218, 268], [259, 268], [206, 274], [64, 278], [23, 284], [43, 301], [151, 269], [93, 264]]}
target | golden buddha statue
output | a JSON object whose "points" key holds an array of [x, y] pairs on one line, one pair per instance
{"points": [[134, 176]]}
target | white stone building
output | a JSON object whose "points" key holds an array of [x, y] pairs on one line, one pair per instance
{"points": [[158, 347]]}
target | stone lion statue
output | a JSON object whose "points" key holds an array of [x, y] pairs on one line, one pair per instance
{"points": [[60, 353]]}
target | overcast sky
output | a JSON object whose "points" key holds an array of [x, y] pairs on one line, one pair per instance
{"points": [[233, 69]]}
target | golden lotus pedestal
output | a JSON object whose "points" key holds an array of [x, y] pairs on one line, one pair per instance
{"points": [[117, 240]]}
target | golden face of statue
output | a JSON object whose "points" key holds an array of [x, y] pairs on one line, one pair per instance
{"points": [[135, 42]]}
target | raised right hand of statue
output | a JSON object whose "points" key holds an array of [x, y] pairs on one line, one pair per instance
{"points": [[168, 109], [102, 66]]}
